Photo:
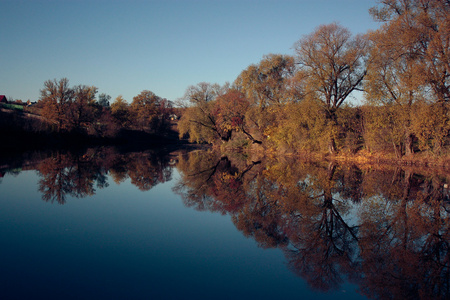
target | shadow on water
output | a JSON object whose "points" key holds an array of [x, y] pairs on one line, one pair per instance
{"points": [[386, 231]]}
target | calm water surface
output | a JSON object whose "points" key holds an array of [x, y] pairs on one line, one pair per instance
{"points": [[102, 225]]}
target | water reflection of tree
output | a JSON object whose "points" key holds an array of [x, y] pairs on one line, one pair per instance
{"points": [[67, 174], [322, 244], [79, 175], [211, 182], [387, 231], [147, 171], [409, 234]]}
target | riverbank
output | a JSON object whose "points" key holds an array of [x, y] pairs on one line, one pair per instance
{"points": [[424, 160], [361, 158]]}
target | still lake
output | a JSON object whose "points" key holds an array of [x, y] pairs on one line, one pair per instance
{"points": [[201, 225]]}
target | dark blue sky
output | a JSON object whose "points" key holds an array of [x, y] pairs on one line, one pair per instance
{"points": [[124, 47]]}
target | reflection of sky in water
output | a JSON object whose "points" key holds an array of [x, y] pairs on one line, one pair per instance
{"points": [[125, 243]]}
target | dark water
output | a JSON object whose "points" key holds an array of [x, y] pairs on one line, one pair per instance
{"points": [[199, 225]]}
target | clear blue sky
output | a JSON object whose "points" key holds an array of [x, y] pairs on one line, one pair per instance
{"points": [[124, 47]]}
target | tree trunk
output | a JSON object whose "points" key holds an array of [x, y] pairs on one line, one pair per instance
{"points": [[332, 145], [409, 139], [327, 191], [398, 150], [332, 119]]}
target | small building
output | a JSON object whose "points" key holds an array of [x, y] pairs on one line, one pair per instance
{"points": [[3, 99], [29, 103]]}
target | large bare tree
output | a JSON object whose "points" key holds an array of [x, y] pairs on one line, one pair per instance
{"points": [[332, 64]]}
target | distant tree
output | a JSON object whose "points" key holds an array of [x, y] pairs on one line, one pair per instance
{"points": [[198, 120], [121, 112], [332, 63], [81, 110], [105, 125], [165, 110], [145, 109], [266, 83], [198, 124], [55, 97], [202, 93], [230, 113]]}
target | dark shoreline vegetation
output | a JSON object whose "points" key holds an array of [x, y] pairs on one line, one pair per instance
{"points": [[284, 105]]}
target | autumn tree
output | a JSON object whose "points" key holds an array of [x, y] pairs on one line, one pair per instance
{"points": [[70, 108], [421, 30], [394, 82], [230, 113], [267, 86], [81, 110], [198, 120], [203, 92], [300, 127], [265, 83], [303, 126], [165, 110], [332, 64], [120, 111], [430, 123], [410, 65], [145, 109], [55, 97], [391, 82]]}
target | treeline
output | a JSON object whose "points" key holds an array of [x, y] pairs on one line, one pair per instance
{"points": [[77, 109], [67, 115], [75, 116], [300, 102]]}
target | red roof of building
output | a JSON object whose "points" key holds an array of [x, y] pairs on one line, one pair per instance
{"points": [[3, 98]]}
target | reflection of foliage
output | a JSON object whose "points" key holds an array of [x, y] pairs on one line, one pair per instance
{"points": [[387, 231], [145, 172], [69, 174], [412, 234], [321, 243], [210, 182]]}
